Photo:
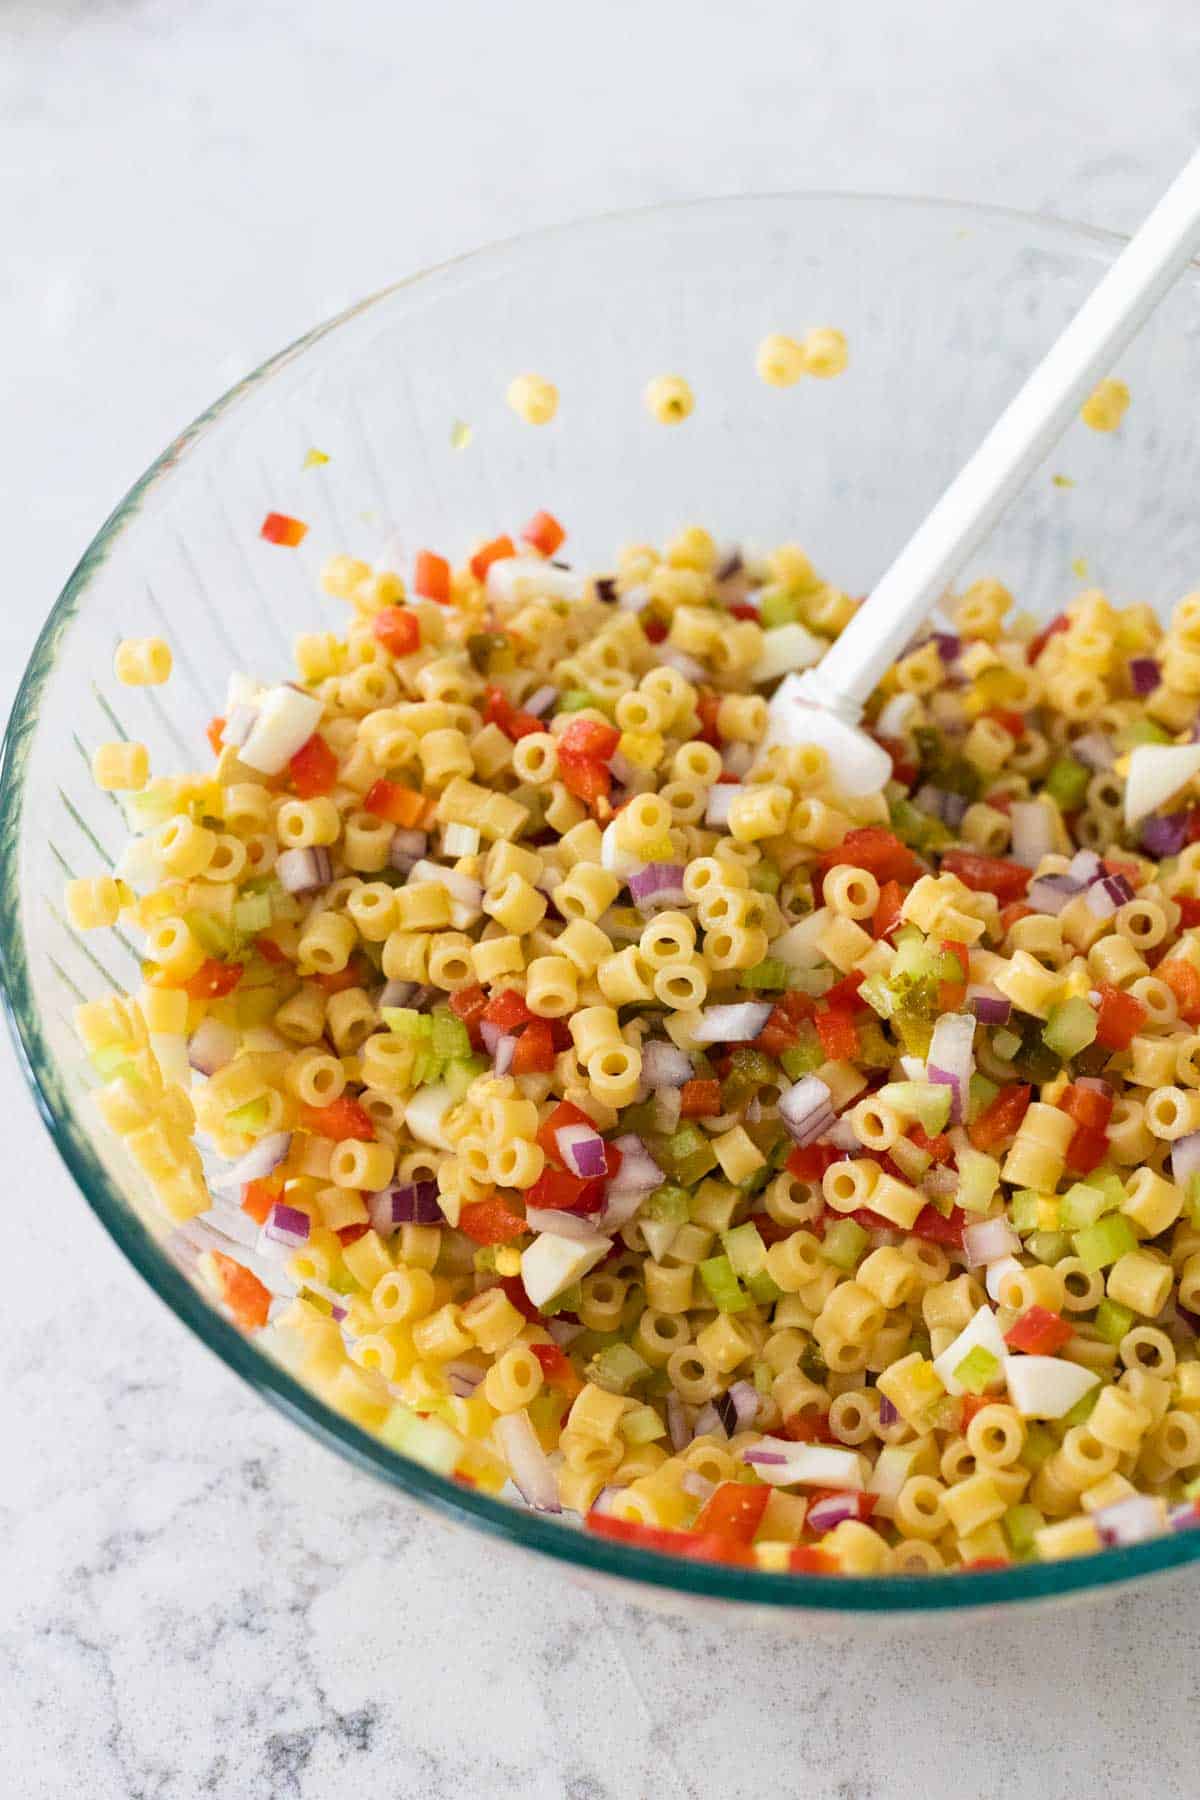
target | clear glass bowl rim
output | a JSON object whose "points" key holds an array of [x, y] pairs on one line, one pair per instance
{"points": [[788, 1594]]}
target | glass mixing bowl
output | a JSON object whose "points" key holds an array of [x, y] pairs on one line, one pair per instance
{"points": [[945, 307]]}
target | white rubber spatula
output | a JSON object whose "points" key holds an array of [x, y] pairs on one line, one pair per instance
{"points": [[824, 704]]}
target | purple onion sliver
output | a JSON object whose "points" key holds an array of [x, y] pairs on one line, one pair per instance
{"points": [[1165, 836], [677, 1426], [502, 1058], [304, 871], [989, 1005], [666, 1065], [764, 1456], [887, 1412], [949, 646], [660, 883], [1144, 674]]}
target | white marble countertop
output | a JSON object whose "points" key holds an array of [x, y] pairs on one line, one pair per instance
{"points": [[195, 1599]]}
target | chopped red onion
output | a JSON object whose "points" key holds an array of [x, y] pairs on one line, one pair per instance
{"points": [[1050, 893], [888, 1414], [527, 1461], [727, 1413], [638, 1173], [1085, 867], [831, 1510], [737, 759], [266, 1155], [491, 1035], [304, 871], [562, 1224], [668, 1105], [413, 1203], [1032, 832], [763, 1456], [1144, 674], [989, 1005], [841, 1134], [678, 1429], [658, 884], [1129, 1521], [941, 802], [949, 646], [732, 1024], [287, 1225], [940, 1182], [541, 701], [720, 799], [806, 1109], [988, 1241], [1100, 901], [1095, 750], [1185, 1156], [463, 1377], [407, 848], [1165, 836], [687, 666], [709, 1422], [502, 1056], [745, 1399], [563, 1331], [1185, 1516], [951, 1058], [666, 1065], [212, 1046], [582, 1150]]}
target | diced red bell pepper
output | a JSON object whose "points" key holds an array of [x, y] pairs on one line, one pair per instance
{"points": [[534, 1053], [1086, 1150], [1087, 1105], [1184, 982], [431, 577], [654, 629], [1008, 720], [961, 953], [213, 980], [490, 1222], [864, 1504], [564, 1192], [270, 952], [780, 1031], [808, 1162], [1011, 914], [350, 1234], [1134, 874], [939, 1148], [590, 738], [808, 1428], [243, 1293], [314, 768], [565, 1113], [343, 1118], [999, 1120], [741, 609], [879, 851], [544, 532], [708, 705], [336, 981], [1119, 1018], [212, 732], [584, 777], [398, 804], [904, 764], [937, 1228], [398, 630], [987, 874], [734, 1510], [843, 995], [507, 1009], [838, 1034], [513, 722], [258, 1197], [496, 550], [972, 1404], [700, 1100], [1189, 907], [689, 1544], [807, 1559], [887, 912], [1037, 644], [1038, 1332], [281, 528], [558, 1371], [769, 1229], [470, 1005]]}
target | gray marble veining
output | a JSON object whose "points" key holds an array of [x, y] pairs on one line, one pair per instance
{"points": [[194, 1599]]}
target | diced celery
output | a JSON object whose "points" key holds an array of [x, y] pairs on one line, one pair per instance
{"points": [[770, 973], [764, 878], [285, 908], [451, 1039], [776, 607], [208, 931], [978, 1179], [1192, 1490], [575, 699], [763, 1289], [617, 1368], [1066, 783], [641, 1425], [1082, 1410], [801, 1059], [1113, 1320], [459, 1075], [406, 1023], [250, 1117], [1081, 1205], [255, 1006], [1020, 1523], [1070, 1028], [980, 1095], [844, 1243], [911, 1161], [668, 1204], [1110, 1185], [1040, 1444], [1048, 1246], [724, 1289], [745, 1249], [1005, 1043], [1141, 731], [926, 1101], [763, 1377], [111, 1060], [915, 959], [252, 914], [977, 1368], [569, 1301], [878, 995], [1100, 1245], [427, 1440], [1023, 1209]]}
